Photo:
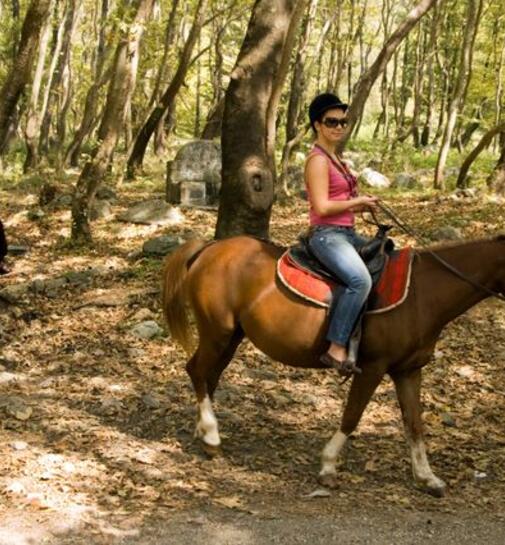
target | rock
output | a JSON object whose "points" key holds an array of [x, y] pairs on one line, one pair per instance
{"points": [[372, 178], [35, 214], [15, 292], [154, 211], [142, 314], [406, 181], [150, 401], [162, 245], [100, 209], [79, 277], [110, 405], [448, 420], [18, 409], [19, 445], [146, 330], [467, 192], [136, 353], [194, 176], [14, 249], [6, 377], [447, 233], [465, 371], [480, 476], [106, 193], [64, 200]]}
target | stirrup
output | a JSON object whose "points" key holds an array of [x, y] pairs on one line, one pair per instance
{"points": [[346, 368]]}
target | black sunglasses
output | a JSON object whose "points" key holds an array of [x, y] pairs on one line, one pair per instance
{"points": [[334, 122]]}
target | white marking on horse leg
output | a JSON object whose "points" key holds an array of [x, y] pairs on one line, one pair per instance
{"points": [[421, 467], [206, 427], [331, 452]]}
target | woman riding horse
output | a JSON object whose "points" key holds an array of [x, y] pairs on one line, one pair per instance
{"points": [[333, 198]]}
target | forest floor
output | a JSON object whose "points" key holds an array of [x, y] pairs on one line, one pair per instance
{"points": [[97, 425]]}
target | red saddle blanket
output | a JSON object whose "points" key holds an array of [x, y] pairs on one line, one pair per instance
{"points": [[388, 293]]}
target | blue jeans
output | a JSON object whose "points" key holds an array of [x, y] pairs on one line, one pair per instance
{"points": [[336, 247]]}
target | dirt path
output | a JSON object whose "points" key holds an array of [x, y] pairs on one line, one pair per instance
{"points": [[266, 526], [97, 424]]}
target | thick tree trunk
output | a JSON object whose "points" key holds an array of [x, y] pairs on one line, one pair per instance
{"points": [[20, 73], [136, 157], [483, 144], [247, 189], [364, 85], [472, 21], [120, 90]]}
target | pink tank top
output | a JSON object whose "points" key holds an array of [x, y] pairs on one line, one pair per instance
{"points": [[340, 188]]}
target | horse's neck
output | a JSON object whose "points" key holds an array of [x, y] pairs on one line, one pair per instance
{"points": [[441, 294]]}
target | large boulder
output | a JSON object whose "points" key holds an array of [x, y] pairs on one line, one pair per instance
{"points": [[372, 178], [194, 176]]}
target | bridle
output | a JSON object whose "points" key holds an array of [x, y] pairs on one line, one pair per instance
{"points": [[422, 240]]}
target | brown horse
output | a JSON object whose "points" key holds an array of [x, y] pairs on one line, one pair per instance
{"points": [[233, 292]]}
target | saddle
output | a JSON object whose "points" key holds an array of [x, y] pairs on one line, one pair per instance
{"points": [[302, 274], [374, 254]]}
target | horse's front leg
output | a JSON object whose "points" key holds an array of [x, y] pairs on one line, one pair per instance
{"points": [[408, 390], [362, 388]]}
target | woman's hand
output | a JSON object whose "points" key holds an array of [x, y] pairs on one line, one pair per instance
{"points": [[364, 203]]}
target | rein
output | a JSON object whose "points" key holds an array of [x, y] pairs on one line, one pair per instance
{"points": [[421, 240]]}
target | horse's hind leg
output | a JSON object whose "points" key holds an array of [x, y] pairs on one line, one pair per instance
{"points": [[408, 390], [204, 369], [362, 388]]}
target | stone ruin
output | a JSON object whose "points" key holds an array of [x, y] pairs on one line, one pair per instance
{"points": [[194, 176]]}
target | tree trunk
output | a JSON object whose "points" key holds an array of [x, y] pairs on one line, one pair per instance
{"points": [[214, 122], [364, 86], [33, 119], [248, 136], [120, 90], [472, 22], [19, 75], [136, 157], [426, 132], [91, 102], [483, 144], [496, 181], [55, 90]]}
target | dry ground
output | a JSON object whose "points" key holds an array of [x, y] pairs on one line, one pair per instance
{"points": [[107, 454]]}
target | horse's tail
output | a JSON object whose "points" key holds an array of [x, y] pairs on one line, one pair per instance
{"points": [[174, 296]]}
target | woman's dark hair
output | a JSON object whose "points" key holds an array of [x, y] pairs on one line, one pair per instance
{"points": [[321, 104]]}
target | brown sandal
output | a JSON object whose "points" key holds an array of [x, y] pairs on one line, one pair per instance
{"points": [[345, 368]]}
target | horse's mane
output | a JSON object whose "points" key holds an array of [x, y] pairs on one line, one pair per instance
{"points": [[461, 243]]}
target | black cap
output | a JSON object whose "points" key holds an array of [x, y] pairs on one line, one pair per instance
{"points": [[322, 103]]}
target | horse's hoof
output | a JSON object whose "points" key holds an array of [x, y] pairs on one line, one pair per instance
{"points": [[330, 480], [212, 451], [438, 492], [435, 490]]}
